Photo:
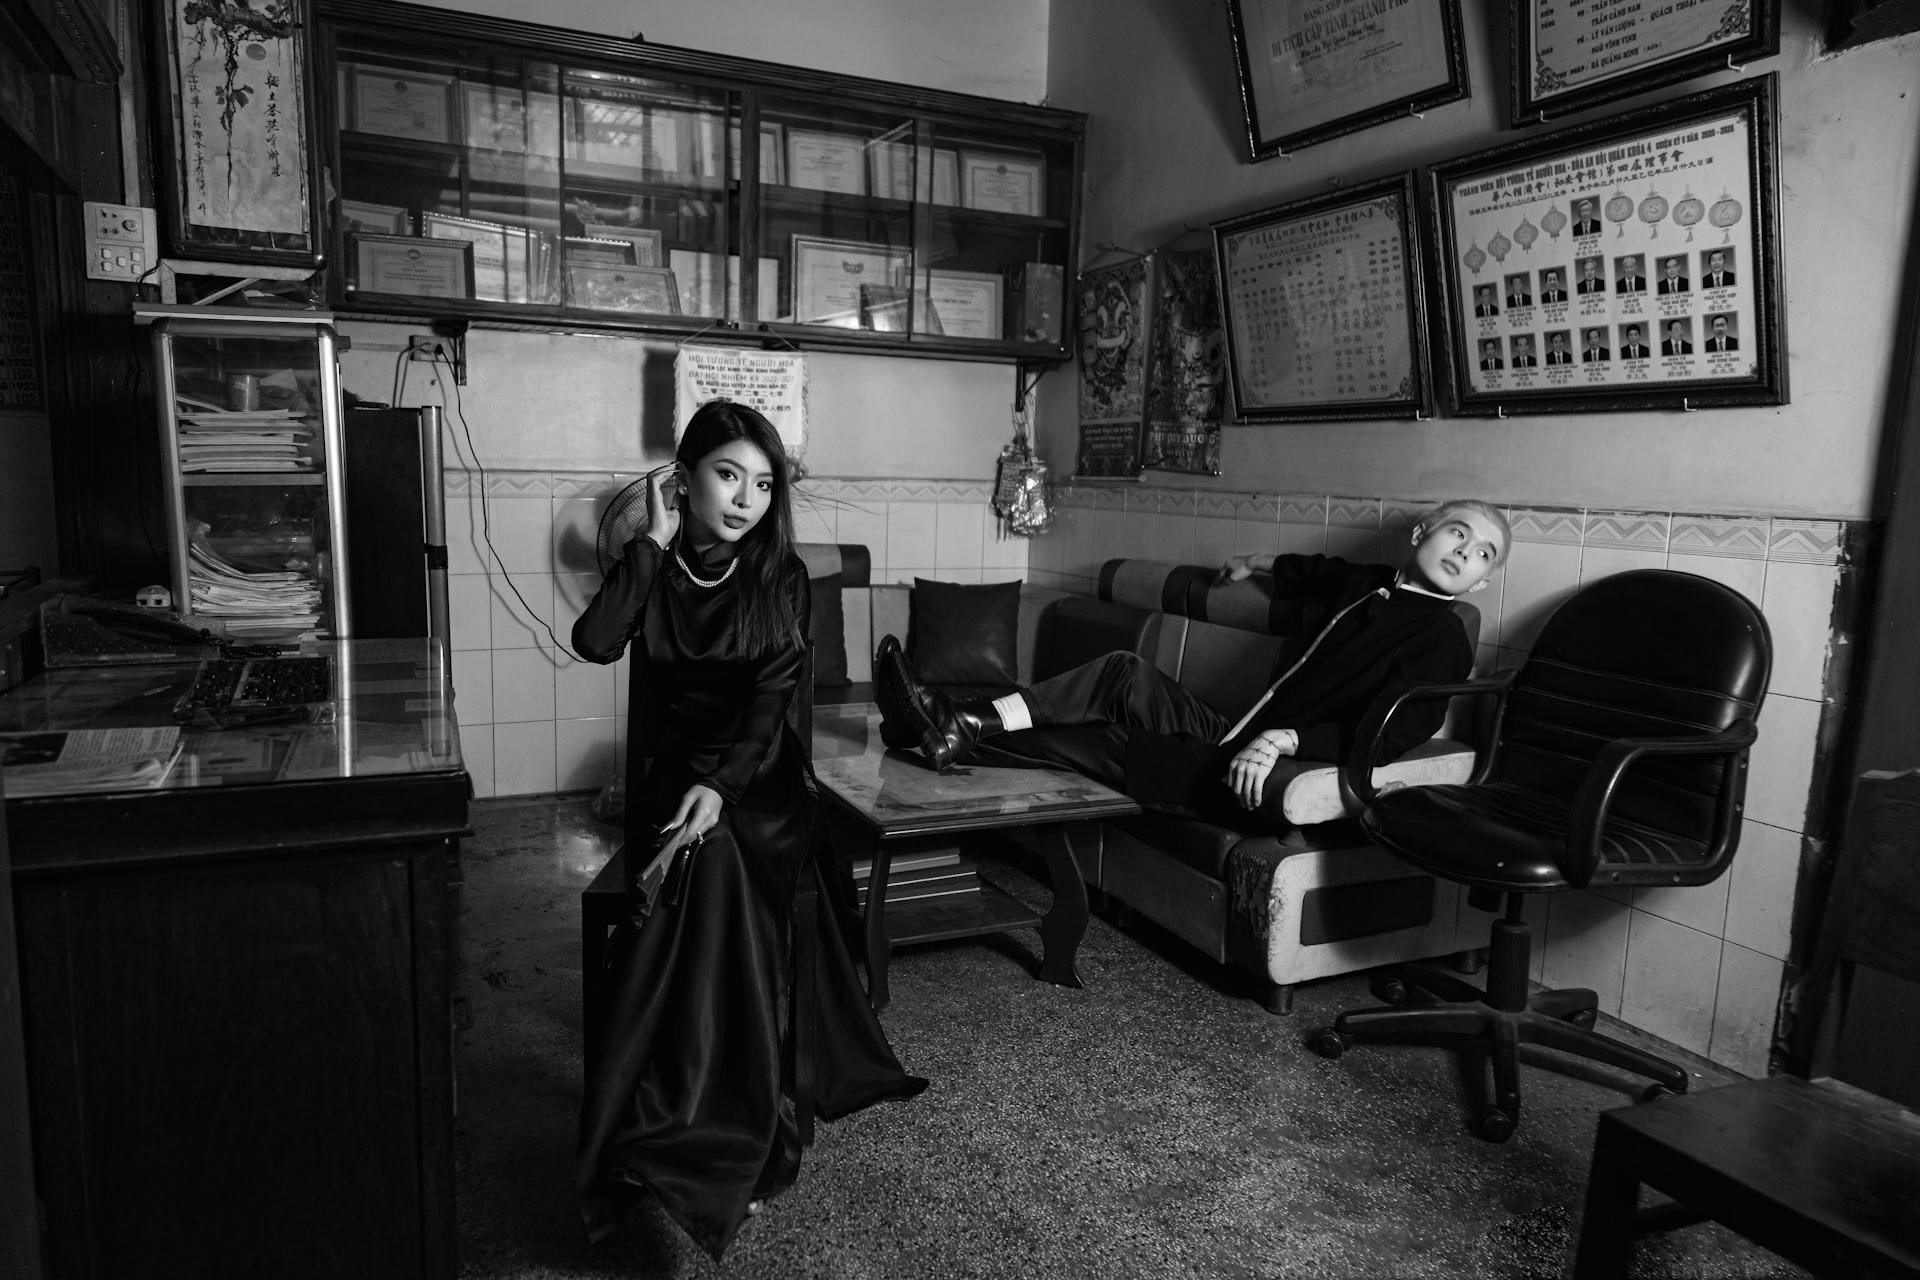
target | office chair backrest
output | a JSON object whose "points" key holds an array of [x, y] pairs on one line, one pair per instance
{"points": [[1649, 653]]}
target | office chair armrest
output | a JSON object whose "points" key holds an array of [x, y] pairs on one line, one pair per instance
{"points": [[1356, 772], [1597, 789]]}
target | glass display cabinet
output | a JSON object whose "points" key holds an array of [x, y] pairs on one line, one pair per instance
{"points": [[508, 172], [252, 469]]}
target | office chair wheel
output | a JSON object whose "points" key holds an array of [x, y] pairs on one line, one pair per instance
{"points": [[1328, 1042], [1655, 1092], [1389, 989], [1492, 1124], [1581, 1018]]}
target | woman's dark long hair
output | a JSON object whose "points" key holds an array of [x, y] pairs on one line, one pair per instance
{"points": [[767, 620]]}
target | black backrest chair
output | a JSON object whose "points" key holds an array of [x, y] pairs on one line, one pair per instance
{"points": [[1617, 755]]}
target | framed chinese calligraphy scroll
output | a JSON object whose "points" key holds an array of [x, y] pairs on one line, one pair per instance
{"points": [[1631, 263], [1325, 307], [1310, 72], [239, 131], [1569, 55]]}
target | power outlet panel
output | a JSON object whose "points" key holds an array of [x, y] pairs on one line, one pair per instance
{"points": [[122, 243]]}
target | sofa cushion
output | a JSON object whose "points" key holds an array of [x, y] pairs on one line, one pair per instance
{"points": [[965, 634]]}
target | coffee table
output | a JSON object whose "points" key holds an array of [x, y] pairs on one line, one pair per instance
{"points": [[888, 804]]}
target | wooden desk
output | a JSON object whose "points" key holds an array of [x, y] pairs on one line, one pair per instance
{"points": [[236, 985], [889, 803]]}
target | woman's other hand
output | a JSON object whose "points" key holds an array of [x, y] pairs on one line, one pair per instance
{"points": [[699, 810], [1239, 568], [1248, 772], [664, 488]]}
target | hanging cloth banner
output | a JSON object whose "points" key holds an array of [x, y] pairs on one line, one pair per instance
{"points": [[774, 382]]}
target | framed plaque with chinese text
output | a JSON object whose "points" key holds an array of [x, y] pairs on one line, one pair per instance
{"points": [[1633, 263], [1310, 72], [1325, 308], [238, 133], [1569, 55]]}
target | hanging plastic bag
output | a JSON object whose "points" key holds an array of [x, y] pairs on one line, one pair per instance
{"points": [[1020, 496]]}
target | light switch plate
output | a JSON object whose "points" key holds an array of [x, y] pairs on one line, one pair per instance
{"points": [[121, 242]]}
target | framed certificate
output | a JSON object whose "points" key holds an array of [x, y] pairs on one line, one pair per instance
{"points": [[506, 119], [1310, 72], [379, 219], [412, 266], [1325, 307], [1570, 56], [970, 304], [827, 275], [400, 104], [648, 243], [592, 249], [1576, 291], [822, 161], [634, 289], [500, 253], [773, 152], [1003, 183]]}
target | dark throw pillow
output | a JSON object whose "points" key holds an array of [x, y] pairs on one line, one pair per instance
{"points": [[959, 633], [828, 631]]}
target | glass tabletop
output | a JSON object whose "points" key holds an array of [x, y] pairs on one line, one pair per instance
{"points": [[391, 712], [898, 794]]}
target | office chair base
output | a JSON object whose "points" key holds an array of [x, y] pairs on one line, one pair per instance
{"points": [[1555, 1019]]}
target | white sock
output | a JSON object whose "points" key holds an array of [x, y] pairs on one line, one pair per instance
{"points": [[1013, 712]]}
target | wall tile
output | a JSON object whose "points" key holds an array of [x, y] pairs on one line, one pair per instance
{"points": [[1747, 576], [960, 534], [1300, 508], [1810, 541], [1048, 552], [1700, 906], [464, 551], [584, 690], [576, 535], [1745, 1009], [476, 755], [1626, 530], [1733, 537], [1172, 534], [1799, 607], [585, 753], [572, 592], [1782, 769], [1603, 562], [469, 611], [815, 519], [1299, 539], [522, 607], [1585, 945], [864, 524], [1560, 525], [1353, 513], [1538, 579], [1762, 883], [1213, 539], [1671, 975], [521, 533], [508, 484], [1007, 554], [523, 681], [912, 537], [523, 759], [1362, 546], [473, 686]]}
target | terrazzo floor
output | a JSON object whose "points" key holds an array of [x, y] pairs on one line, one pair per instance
{"points": [[1157, 1123]]}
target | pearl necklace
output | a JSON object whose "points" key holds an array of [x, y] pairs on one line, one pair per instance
{"points": [[699, 581]]}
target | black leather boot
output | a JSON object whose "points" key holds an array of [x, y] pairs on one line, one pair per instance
{"points": [[900, 727], [946, 730]]}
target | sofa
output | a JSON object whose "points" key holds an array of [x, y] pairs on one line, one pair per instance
{"points": [[1289, 907]]}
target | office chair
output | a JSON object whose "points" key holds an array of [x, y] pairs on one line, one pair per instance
{"points": [[1617, 755]]}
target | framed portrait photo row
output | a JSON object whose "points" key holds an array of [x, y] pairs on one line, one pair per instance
{"points": [[1324, 305], [1631, 263], [1312, 72], [1571, 55]]}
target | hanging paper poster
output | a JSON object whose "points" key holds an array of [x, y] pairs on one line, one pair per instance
{"points": [[1186, 372], [242, 113], [773, 382], [1115, 325]]}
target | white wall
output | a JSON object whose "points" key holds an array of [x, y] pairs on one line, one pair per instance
{"points": [[993, 47], [1163, 160]]}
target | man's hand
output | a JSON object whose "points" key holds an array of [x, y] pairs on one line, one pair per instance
{"points": [[1245, 566], [1247, 774]]}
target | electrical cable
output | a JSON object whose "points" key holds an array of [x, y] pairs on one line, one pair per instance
{"points": [[486, 521]]}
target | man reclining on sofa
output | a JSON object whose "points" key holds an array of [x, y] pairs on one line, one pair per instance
{"points": [[1122, 722]]}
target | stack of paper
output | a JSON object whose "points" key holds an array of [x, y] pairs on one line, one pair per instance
{"points": [[243, 440], [250, 603], [60, 761]]}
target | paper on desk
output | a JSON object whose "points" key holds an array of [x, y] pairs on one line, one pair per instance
{"points": [[56, 761]]}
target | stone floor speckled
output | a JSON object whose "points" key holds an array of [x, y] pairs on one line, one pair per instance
{"points": [[1156, 1123]]}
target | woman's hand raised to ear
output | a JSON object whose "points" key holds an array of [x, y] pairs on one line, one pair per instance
{"points": [[664, 488]]}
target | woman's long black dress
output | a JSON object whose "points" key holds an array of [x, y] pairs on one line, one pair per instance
{"points": [[691, 1098]]}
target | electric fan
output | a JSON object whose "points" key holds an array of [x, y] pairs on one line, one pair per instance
{"points": [[623, 518]]}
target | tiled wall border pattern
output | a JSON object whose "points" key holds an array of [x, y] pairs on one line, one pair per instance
{"points": [[1701, 967]]}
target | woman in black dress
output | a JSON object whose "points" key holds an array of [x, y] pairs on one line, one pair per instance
{"points": [[692, 1098]]}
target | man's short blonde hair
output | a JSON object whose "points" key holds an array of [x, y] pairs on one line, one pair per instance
{"points": [[1486, 510]]}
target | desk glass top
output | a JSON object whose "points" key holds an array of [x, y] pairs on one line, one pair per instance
{"points": [[896, 792], [391, 714]]}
